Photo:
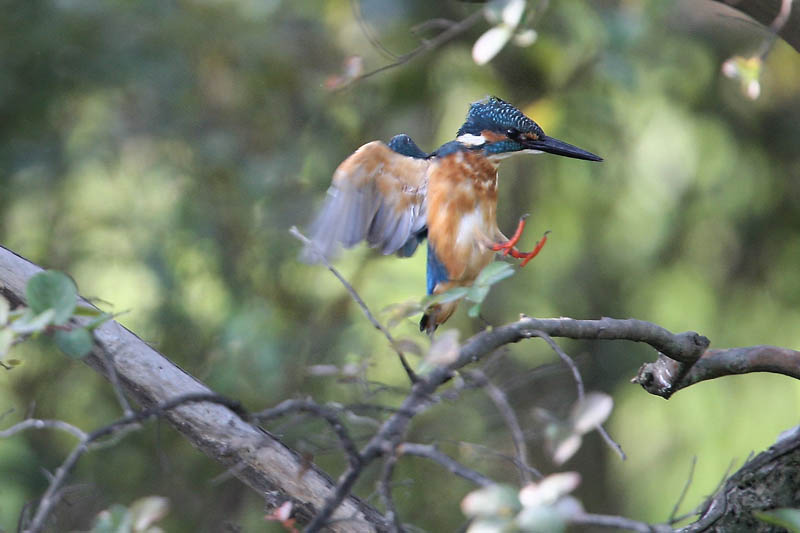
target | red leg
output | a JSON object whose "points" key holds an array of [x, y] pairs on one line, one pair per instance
{"points": [[508, 246]]}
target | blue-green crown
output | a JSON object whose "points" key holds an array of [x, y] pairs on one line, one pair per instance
{"points": [[496, 115]]}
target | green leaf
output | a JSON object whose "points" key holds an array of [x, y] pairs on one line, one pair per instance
{"points": [[494, 272], [491, 501], [30, 323], [785, 518], [451, 295], [76, 343], [5, 309], [115, 519], [52, 290]]}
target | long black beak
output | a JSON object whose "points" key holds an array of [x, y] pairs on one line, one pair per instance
{"points": [[552, 145]]}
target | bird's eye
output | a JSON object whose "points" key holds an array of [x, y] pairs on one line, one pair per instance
{"points": [[512, 133]]}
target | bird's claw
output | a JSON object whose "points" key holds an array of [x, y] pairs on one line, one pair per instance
{"points": [[508, 246]]}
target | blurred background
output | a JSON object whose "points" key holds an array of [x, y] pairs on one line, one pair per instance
{"points": [[159, 151]]}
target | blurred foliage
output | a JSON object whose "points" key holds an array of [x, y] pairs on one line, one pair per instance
{"points": [[158, 151]]}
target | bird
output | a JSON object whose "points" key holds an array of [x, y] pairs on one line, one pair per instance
{"points": [[395, 195]]}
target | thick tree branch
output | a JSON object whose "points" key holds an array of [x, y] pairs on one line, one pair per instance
{"points": [[659, 377], [255, 456]]}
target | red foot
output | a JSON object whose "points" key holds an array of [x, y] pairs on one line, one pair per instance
{"points": [[508, 246]]}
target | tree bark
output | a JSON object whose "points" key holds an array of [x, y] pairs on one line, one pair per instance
{"points": [[255, 456]]}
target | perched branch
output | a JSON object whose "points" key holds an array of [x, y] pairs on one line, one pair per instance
{"points": [[659, 377], [254, 456]]}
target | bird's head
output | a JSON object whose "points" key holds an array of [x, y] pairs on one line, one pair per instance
{"points": [[501, 130]]}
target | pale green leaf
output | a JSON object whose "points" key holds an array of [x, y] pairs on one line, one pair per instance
{"points": [[541, 518], [786, 518], [147, 511], [451, 295], [52, 290], [592, 411], [76, 343], [490, 43], [30, 323], [491, 501], [548, 490], [494, 272]]}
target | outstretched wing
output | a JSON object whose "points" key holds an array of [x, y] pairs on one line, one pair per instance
{"points": [[377, 194]]}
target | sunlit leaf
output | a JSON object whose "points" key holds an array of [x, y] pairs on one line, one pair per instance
{"points": [[788, 519], [548, 490], [565, 448], [512, 12], [30, 323], [147, 511], [115, 519], [491, 501], [494, 272], [5, 309], [490, 43], [525, 38], [489, 525], [450, 295], [540, 518], [52, 290], [76, 343], [592, 411]]}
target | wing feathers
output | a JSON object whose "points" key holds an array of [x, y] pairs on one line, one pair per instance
{"points": [[378, 195]]}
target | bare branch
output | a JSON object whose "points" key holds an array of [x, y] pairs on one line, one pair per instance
{"points": [[35, 423], [660, 377], [385, 490], [776, 15], [619, 522], [326, 413], [500, 401], [429, 451], [259, 459]]}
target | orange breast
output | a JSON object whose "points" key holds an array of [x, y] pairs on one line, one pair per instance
{"points": [[462, 224]]}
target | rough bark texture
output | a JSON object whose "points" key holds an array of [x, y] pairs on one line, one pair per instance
{"points": [[256, 457], [771, 480]]}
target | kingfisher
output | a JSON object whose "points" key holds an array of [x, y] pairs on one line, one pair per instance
{"points": [[394, 195]]}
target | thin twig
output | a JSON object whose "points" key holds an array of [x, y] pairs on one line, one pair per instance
{"points": [[35, 423], [51, 496], [374, 41], [449, 33], [374, 321], [429, 451], [619, 522], [108, 358], [500, 401], [614, 445], [671, 519], [328, 414], [385, 491]]}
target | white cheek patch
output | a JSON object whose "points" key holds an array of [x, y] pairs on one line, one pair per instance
{"points": [[472, 140]]}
